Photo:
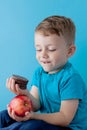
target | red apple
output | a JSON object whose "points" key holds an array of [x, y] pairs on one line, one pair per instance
{"points": [[21, 104]]}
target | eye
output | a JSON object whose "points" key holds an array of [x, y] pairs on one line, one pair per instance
{"points": [[50, 49], [38, 49]]}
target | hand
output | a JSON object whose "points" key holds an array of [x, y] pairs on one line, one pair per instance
{"points": [[10, 84], [12, 114]]}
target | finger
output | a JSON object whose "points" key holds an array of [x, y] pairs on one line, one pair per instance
{"points": [[28, 115], [7, 105], [9, 111], [11, 85], [12, 114], [12, 82], [17, 87], [7, 80], [19, 90], [17, 118], [8, 83]]}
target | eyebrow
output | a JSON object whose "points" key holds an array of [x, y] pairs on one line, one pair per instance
{"points": [[47, 45], [36, 45]]}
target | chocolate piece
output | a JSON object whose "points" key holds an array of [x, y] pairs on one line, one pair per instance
{"points": [[21, 81]]}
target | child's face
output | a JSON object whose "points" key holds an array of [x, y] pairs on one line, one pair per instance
{"points": [[51, 52]]}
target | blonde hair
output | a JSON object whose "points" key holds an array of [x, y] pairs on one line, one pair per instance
{"points": [[59, 25]]}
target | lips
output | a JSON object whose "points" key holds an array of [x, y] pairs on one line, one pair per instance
{"points": [[45, 62]]}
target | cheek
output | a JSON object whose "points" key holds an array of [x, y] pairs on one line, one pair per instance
{"points": [[63, 57], [37, 56], [60, 56]]}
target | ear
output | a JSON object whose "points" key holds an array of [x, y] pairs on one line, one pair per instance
{"points": [[71, 50]]}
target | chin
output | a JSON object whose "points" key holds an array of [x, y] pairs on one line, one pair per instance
{"points": [[46, 70], [50, 71]]}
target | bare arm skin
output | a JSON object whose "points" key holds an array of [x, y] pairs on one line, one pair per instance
{"points": [[62, 118], [33, 94]]}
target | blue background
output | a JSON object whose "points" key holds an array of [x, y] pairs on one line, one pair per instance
{"points": [[18, 19]]}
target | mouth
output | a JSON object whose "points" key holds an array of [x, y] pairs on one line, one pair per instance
{"points": [[45, 62]]}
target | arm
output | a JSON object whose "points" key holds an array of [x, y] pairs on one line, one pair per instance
{"points": [[61, 118], [35, 98], [33, 94]]}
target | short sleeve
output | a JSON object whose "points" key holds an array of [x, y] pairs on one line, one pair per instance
{"points": [[72, 88], [36, 77]]}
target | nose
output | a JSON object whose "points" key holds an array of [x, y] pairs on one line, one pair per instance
{"points": [[44, 54]]}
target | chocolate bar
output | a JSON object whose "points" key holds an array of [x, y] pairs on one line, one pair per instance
{"points": [[20, 80]]}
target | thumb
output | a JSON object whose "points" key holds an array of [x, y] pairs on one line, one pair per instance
{"points": [[27, 113]]}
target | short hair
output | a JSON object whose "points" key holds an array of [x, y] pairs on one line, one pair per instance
{"points": [[59, 25]]}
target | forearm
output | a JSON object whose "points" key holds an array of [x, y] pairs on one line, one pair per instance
{"points": [[54, 118], [35, 102], [33, 95]]}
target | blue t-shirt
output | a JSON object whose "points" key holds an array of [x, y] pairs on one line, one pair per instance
{"points": [[63, 85]]}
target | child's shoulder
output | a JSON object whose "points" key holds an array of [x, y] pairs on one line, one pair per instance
{"points": [[39, 70], [70, 72], [69, 69]]}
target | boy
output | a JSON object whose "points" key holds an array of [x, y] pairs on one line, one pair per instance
{"points": [[58, 91]]}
